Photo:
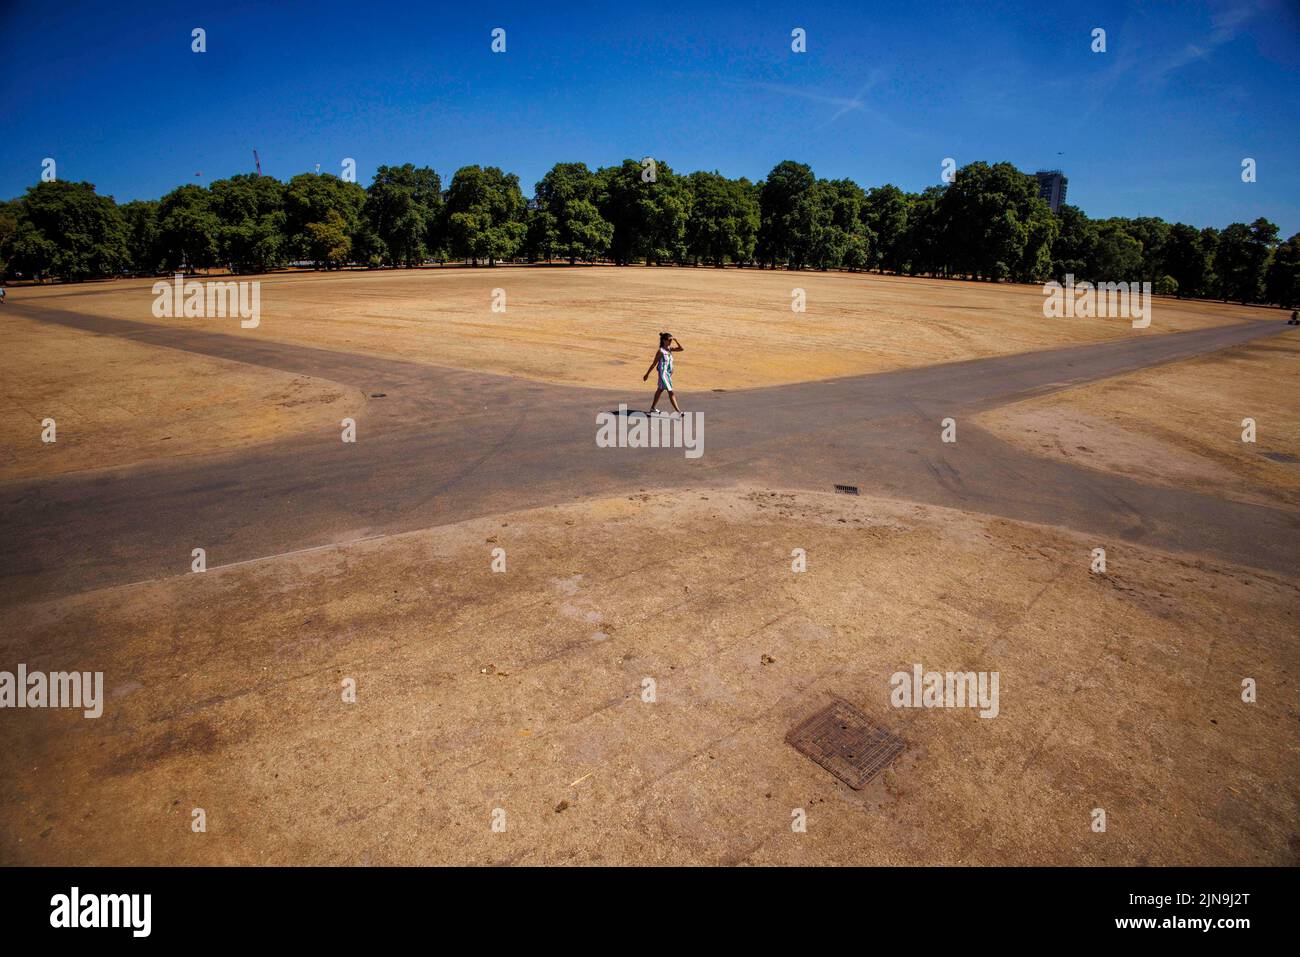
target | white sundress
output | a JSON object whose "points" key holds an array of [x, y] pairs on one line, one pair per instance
{"points": [[665, 370]]}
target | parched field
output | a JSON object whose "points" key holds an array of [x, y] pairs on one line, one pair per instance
{"points": [[523, 691], [115, 402], [486, 696], [1179, 425], [599, 326]]}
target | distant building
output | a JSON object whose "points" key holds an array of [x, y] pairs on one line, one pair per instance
{"points": [[1052, 185]]}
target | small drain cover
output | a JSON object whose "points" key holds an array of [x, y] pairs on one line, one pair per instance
{"points": [[847, 489], [1279, 456], [846, 743]]}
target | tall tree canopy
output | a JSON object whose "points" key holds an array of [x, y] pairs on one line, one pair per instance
{"points": [[485, 214], [251, 217], [724, 219], [322, 217], [566, 206], [778, 200], [988, 224], [65, 230], [404, 215]]}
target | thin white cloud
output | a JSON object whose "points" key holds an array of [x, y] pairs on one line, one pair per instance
{"points": [[1226, 24], [859, 102], [844, 103]]}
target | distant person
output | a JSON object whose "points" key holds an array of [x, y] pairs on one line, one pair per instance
{"points": [[2, 295], [663, 360], [1293, 321]]}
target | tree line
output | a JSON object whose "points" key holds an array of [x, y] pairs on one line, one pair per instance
{"points": [[989, 223]]}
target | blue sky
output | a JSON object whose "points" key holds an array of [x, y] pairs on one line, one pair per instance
{"points": [[1156, 125]]}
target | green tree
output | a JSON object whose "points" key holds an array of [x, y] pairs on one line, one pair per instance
{"points": [[8, 226], [989, 223], [65, 230], [849, 239], [542, 235], [250, 210], [323, 217], [1187, 260], [1073, 249], [188, 231], [403, 210], [567, 196], [1282, 277], [1242, 257], [780, 212], [724, 220], [1153, 234], [583, 232], [648, 217], [1210, 243], [667, 201], [922, 249], [1115, 256], [885, 215], [619, 200], [140, 223], [328, 241], [827, 228], [485, 214], [995, 224]]}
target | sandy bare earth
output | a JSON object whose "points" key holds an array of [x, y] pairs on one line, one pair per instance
{"points": [[115, 402], [599, 326], [523, 691], [1179, 424]]}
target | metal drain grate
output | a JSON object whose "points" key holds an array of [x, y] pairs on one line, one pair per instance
{"points": [[846, 743], [1279, 456], [847, 489]]}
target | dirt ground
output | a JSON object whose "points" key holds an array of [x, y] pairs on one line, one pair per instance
{"points": [[599, 326], [116, 402], [481, 693], [523, 691], [1179, 424]]}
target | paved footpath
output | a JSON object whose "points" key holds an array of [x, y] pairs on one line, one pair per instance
{"points": [[445, 445]]}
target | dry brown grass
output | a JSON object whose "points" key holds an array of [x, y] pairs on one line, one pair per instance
{"points": [[1179, 424], [599, 326], [117, 402], [523, 690]]}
